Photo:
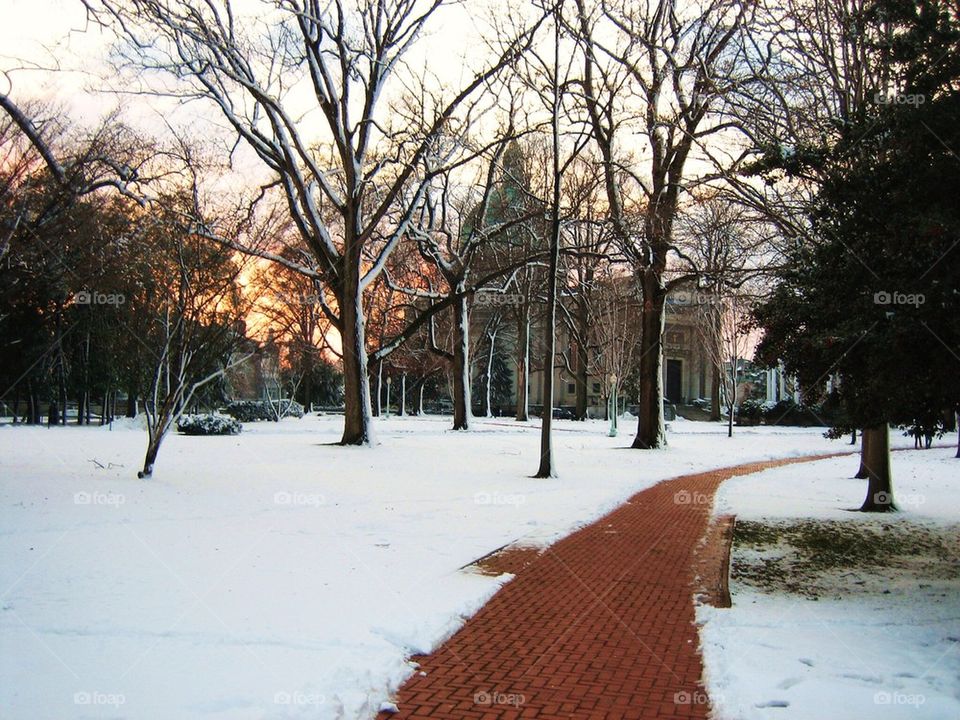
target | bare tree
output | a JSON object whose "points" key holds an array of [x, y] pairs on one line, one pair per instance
{"points": [[194, 305], [657, 70], [78, 164], [251, 68]]}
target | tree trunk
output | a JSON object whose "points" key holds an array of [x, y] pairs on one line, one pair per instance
{"points": [[131, 402], [650, 432], [423, 384], [879, 483], [34, 406], [547, 468], [308, 382], [81, 404], [461, 365], [357, 425], [583, 358], [377, 390], [853, 436], [862, 473], [489, 388], [715, 393], [523, 362], [153, 448]]}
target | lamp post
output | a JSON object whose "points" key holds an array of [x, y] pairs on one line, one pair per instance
{"points": [[388, 398], [612, 402]]}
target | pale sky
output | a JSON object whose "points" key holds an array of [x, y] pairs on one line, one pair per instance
{"points": [[38, 35]]}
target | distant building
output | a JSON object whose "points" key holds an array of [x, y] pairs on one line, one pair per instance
{"points": [[258, 375], [687, 369]]}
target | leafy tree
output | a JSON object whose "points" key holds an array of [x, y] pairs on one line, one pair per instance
{"points": [[874, 302]]}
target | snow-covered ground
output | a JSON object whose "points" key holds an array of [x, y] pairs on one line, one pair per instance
{"points": [[871, 636], [272, 575]]}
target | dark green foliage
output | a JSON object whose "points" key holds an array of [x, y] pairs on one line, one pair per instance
{"points": [[874, 301]]}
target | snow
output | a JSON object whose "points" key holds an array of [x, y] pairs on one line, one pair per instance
{"points": [[877, 642], [274, 575]]}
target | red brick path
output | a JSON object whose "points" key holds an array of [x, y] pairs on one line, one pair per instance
{"points": [[600, 625]]}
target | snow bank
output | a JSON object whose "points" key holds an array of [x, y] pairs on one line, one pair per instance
{"points": [[273, 575], [876, 644]]}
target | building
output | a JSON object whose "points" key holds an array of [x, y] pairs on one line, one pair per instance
{"points": [[687, 368]]}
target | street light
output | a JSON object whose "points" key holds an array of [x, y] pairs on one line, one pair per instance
{"points": [[387, 416], [612, 404]]}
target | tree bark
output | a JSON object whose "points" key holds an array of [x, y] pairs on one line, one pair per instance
{"points": [[583, 357], [377, 390], [650, 432], [462, 410], [862, 473], [489, 388], [356, 384], [877, 460], [715, 415], [523, 362], [131, 402], [547, 468], [153, 448], [958, 439]]}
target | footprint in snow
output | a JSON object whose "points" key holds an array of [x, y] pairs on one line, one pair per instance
{"points": [[788, 683], [773, 704], [806, 661]]}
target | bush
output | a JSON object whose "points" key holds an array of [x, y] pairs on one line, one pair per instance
{"points": [[208, 424], [253, 410], [750, 412], [787, 412]]}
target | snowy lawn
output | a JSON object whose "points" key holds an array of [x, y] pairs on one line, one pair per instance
{"points": [[272, 575], [839, 614]]}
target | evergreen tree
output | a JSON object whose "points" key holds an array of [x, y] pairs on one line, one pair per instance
{"points": [[874, 301]]}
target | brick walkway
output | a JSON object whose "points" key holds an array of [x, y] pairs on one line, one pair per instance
{"points": [[600, 625]]}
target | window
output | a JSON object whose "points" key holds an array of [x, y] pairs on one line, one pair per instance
{"points": [[571, 388], [596, 387]]}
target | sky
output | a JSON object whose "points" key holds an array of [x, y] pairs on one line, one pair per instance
{"points": [[38, 36]]}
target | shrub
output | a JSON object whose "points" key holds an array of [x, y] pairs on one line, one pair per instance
{"points": [[254, 410], [750, 412], [787, 412], [208, 424]]}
